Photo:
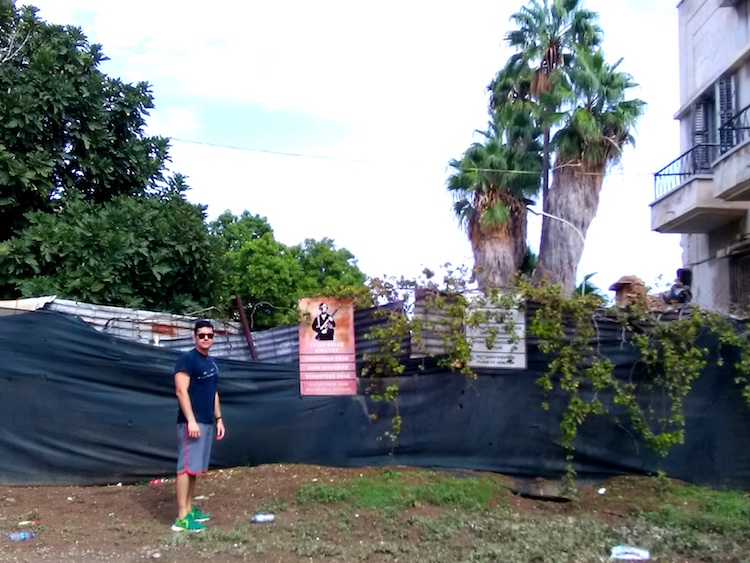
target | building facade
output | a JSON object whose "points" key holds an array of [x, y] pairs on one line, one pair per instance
{"points": [[704, 194]]}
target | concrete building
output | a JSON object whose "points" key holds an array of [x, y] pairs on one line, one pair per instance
{"points": [[704, 193]]}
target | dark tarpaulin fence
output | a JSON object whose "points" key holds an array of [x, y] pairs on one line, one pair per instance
{"points": [[81, 407]]}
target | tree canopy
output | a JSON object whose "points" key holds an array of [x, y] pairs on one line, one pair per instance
{"points": [[68, 129], [491, 184], [141, 252], [270, 276], [234, 231], [87, 214], [556, 81]]}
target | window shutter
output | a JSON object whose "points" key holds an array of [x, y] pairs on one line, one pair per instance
{"points": [[701, 136], [726, 110]]}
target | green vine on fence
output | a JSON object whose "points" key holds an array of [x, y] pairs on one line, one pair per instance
{"points": [[649, 394]]}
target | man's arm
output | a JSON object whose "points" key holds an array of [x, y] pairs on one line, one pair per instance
{"points": [[181, 385], [219, 419]]}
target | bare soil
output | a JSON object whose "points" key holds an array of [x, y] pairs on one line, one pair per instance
{"points": [[132, 522]]}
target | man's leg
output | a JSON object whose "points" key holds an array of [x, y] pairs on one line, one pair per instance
{"points": [[191, 492], [183, 493]]}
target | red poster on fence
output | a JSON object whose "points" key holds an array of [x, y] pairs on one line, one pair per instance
{"points": [[326, 347]]}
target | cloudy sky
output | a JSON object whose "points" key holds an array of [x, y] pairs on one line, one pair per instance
{"points": [[338, 119]]}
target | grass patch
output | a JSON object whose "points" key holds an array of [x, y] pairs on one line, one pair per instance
{"points": [[322, 493], [704, 510], [362, 519], [391, 490]]}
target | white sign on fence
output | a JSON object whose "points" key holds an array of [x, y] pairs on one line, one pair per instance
{"points": [[499, 340]]}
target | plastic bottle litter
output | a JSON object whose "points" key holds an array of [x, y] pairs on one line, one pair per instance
{"points": [[261, 518], [21, 536], [629, 553]]}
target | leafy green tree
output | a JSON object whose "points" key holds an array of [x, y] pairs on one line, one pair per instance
{"points": [[326, 269], [141, 252], [592, 138], [235, 231], [67, 127], [268, 281], [547, 36], [270, 277], [491, 184], [559, 74]]}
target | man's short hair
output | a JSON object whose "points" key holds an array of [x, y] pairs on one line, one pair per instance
{"points": [[203, 323]]}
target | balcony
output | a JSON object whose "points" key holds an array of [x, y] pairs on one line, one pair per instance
{"points": [[731, 170], [684, 195]]}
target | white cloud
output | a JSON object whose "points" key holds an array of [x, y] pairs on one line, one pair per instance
{"points": [[173, 121], [408, 81]]}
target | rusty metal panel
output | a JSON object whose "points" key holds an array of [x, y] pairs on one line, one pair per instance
{"points": [[147, 327], [166, 330]]}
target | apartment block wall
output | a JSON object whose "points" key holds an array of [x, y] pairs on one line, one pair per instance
{"points": [[711, 38], [714, 44]]}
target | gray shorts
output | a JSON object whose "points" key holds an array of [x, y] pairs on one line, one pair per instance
{"points": [[193, 454]]}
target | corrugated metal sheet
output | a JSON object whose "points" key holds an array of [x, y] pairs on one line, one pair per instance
{"points": [[166, 330], [231, 346], [277, 345], [435, 338], [366, 320], [136, 324], [436, 335]]}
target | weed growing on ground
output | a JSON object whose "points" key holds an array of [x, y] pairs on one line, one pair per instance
{"points": [[416, 516], [722, 512], [390, 491]]}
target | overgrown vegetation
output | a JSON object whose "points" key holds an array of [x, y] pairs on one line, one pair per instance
{"points": [[393, 513], [86, 212], [392, 490], [672, 351]]}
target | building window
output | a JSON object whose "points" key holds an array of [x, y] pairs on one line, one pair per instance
{"points": [[703, 116], [726, 109]]}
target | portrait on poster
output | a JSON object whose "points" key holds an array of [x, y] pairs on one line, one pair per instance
{"points": [[326, 346], [327, 326]]}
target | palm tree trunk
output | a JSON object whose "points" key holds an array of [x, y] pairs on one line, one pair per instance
{"points": [[573, 196], [545, 169], [545, 173], [499, 254]]}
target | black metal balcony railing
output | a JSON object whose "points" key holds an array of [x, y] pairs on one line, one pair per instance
{"points": [[735, 130], [691, 163]]}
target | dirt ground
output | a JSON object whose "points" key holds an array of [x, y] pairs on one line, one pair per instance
{"points": [[132, 522]]}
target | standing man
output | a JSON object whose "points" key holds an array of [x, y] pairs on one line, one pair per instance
{"points": [[195, 380]]}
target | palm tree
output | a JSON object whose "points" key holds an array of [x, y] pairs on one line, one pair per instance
{"points": [[491, 185], [596, 131], [548, 35]]}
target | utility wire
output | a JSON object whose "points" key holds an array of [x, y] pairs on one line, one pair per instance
{"points": [[358, 161], [269, 151]]}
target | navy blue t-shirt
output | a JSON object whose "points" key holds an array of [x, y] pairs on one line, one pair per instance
{"points": [[204, 376]]}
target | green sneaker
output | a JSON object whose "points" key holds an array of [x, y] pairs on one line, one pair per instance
{"points": [[199, 516], [187, 524]]}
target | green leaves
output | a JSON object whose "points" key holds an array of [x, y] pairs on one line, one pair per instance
{"points": [[68, 128], [601, 118], [270, 276], [132, 252]]}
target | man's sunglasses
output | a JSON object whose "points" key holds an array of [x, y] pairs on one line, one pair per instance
{"points": [[202, 336]]}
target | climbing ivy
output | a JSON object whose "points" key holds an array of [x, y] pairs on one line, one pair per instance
{"points": [[566, 331]]}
